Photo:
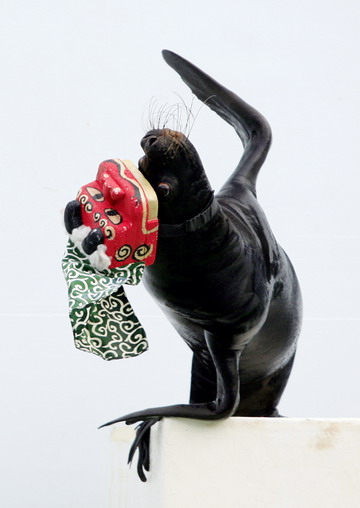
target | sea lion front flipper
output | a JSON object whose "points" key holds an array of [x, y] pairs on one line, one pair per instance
{"points": [[226, 359], [250, 125], [225, 353], [142, 444]]}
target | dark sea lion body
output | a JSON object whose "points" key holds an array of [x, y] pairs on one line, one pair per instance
{"points": [[229, 278], [222, 280]]}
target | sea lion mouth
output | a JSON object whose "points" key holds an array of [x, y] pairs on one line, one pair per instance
{"points": [[143, 163], [166, 152], [144, 168]]}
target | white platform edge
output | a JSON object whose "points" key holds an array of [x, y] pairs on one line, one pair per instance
{"points": [[242, 463]]}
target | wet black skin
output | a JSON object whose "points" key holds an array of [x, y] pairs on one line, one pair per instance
{"points": [[228, 288]]}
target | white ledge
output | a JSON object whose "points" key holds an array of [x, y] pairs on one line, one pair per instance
{"points": [[242, 463]]}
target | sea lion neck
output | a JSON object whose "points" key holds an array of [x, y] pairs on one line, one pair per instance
{"points": [[174, 169]]}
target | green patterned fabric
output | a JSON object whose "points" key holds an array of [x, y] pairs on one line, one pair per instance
{"points": [[101, 316]]}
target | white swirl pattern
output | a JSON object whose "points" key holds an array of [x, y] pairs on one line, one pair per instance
{"points": [[101, 316]]}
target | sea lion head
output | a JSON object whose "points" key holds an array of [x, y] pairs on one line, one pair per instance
{"points": [[173, 167]]}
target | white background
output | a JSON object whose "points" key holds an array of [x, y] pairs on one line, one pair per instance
{"points": [[76, 81]]}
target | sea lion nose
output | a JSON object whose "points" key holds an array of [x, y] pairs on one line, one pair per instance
{"points": [[147, 141]]}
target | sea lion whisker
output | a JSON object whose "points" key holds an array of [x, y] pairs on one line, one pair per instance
{"points": [[155, 113], [152, 112], [189, 114], [161, 119], [172, 114], [178, 116], [164, 115], [198, 112]]}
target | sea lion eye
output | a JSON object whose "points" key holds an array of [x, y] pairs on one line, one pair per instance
{"points": [[164, 189]]}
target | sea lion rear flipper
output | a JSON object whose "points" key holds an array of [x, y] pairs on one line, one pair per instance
{"points": [[250, 125]]}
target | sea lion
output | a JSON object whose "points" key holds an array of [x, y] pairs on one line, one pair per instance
{"points": [[220, 277]]}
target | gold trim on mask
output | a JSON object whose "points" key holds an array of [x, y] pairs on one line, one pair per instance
{"points": [[147, 193]]}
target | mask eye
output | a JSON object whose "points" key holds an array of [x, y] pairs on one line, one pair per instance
{"points": [[95, 193], [164, 189], [113, 215]]}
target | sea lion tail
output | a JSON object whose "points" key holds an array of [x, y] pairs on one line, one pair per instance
{"points": [[250, 125]]}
